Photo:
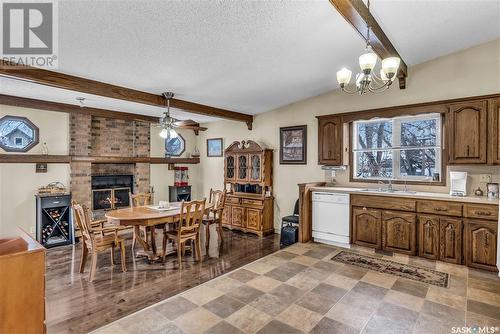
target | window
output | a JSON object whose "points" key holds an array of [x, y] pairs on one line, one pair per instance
{"points": [[17, 134], [400, 148], [174, 147]]}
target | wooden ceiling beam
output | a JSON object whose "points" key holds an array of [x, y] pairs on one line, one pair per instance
{"points": [[24, 102], [356, 13], [88, 86]]}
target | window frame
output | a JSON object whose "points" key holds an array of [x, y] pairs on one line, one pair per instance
{"points": [[440, 161], [36, 136]]}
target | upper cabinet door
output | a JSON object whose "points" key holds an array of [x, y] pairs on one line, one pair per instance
{"points": [[330, 140], [467, 126], [495, 123]]}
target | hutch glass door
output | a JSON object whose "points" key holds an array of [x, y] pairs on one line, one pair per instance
{"points": [[230, 167], [255, 167], [242, 167]]}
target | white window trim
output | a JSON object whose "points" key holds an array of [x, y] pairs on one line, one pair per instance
{"points": [[396, 146]]}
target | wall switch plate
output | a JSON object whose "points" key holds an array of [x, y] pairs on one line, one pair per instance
{"points": [[32, 230], [486, 178]]}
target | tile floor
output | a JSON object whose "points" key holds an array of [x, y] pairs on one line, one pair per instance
{"points": [[300, 290]]}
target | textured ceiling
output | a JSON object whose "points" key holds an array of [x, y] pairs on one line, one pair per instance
{"points": [[247, 56]]}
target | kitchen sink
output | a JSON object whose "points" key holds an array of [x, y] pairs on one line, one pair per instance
{"points": [[378, 190]]}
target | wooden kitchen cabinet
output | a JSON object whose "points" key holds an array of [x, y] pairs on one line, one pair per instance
{"points": [[399, 232], [366, 227], [467, 124], [440, 238], [450, 240], [495, 131], [481, 244], [428, 236], [330, 140]]}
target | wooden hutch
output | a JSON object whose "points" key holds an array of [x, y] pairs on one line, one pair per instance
{"points": [[247, 178]]}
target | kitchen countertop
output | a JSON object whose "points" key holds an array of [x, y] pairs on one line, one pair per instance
{"points": [[412, 194]]}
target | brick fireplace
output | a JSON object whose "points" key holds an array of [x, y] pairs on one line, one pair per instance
{"points": [[98, 136]]}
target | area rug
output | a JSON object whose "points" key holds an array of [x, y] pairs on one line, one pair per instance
{"points": [[424, 275]]}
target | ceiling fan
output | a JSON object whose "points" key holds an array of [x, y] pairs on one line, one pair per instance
{"points": [[169, 123]]}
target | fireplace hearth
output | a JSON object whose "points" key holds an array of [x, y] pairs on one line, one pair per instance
{"points": [[111, 191]]}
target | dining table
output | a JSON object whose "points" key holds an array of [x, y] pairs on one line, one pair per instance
{"points": [[149, 217]]}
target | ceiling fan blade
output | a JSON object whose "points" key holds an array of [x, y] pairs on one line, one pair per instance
{"points": [[179, 123]]}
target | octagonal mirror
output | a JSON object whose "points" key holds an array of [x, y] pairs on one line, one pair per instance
{"points": [[17, 134]]}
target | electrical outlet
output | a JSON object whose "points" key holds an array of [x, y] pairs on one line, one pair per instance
{"points": [[485, 178]]}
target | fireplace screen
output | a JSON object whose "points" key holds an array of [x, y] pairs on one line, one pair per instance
{"points": [[111, 191], [102, 199]]}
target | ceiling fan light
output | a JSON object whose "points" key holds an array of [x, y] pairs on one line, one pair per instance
{"points": [[164, 133], [367, 60], [390, 66], [344, 76], [172, 134]]}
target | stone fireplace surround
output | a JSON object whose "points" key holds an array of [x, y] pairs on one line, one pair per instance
{"points": [[99, 136]]}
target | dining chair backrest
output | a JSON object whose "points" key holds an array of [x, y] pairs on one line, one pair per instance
{"points": [[191, 216], [216, 197], [139, 199], [82, 217]]}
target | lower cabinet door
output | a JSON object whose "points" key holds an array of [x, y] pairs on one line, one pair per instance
{"points": [[450, 240], [428, 240], [399, 232], [238, 216], [254, 219], [481, 244], [366, 227], [226, 215]]}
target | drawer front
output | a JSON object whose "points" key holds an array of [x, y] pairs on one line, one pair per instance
{"points": [[233, 200], [56, 201], [383, 202], [251, 202], [481, 211], [440, 208]]}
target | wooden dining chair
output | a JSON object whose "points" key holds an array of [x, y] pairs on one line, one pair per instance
{"points": [[96, 240], [218, 199], [139, 199], [188, 228]]}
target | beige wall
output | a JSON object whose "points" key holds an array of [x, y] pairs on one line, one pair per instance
{"points": [[474, 71], [160, 176], [19, 182]]}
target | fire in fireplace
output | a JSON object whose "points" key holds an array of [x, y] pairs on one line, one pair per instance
{"points": [[111, 191]]}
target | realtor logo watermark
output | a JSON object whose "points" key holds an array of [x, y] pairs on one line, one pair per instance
{"points": [[29, 32]]}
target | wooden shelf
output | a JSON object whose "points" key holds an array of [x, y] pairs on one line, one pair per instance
{"points": [[34, 158], [40, 158]]}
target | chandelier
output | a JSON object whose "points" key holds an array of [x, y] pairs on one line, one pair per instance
{"points": [[367, 80]]}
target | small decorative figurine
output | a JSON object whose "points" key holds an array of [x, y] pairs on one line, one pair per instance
{"points": [[478, 192]]}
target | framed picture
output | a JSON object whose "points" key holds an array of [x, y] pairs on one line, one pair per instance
{"points": [[214, 147], [293, 145]]}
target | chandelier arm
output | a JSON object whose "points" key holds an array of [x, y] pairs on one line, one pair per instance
{"points": [[380, 89], [355, 91]]}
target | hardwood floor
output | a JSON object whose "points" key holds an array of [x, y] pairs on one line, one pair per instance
{"points": [[74, 305]]}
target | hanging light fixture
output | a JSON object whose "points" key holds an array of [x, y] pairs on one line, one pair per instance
{"points": [[167, 122], [367, 80]]}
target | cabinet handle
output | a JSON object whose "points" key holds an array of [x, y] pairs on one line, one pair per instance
{"points": [[468, 150], [482, 213], [486, 241], [364, 208], [440, 209], [329, 153]]}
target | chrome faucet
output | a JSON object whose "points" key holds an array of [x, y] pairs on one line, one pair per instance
{"points": [[389, 189]]}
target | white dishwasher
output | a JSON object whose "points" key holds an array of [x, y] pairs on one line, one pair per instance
{"points": [[330, 217]]}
